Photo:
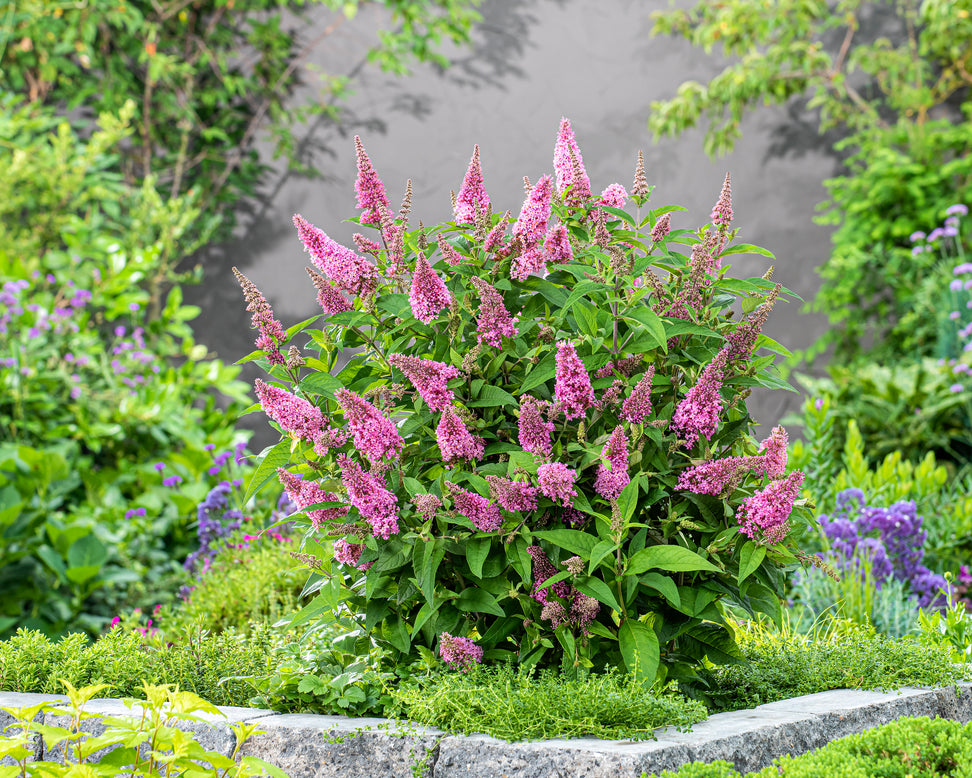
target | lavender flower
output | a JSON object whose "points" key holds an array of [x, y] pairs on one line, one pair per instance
{"points": [[572, 389], [473, 192], [428, 294]]}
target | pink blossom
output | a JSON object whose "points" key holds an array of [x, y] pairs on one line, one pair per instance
{"points": [[473, 192], [614, 196], [330, 438], [742, 339], [368, 187], [531, 224], [766, 514], [662, 228], [428, 294], [569, 165], [427, 505], [511, 495], [455, 441], [459, 653], [721, 215], [347, 553], [430, 378], [293, 413], [542, 570], [272, 334], [351, 273], [493, 321], [330, 299], [774, 453], [484, 516], [572, 388], [533, 261], [612, 479], [717, 476], [583, 610], [450, 255], [556, 481], [698, 413], [369, 495], [495, 237], [556, 246], [534, 432], [304, 493], [374, 435], [637, 406], [366, 245]]}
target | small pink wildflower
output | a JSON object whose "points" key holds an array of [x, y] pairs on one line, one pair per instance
{"points": [[374, 435], [637, 406], [698, 413], [369, 495], [531, 224], [272, 334], [450, 255], [569, 166], [304, 493], [614, 196], [428, 294], [493, 321], [767, 513], [329, 298], [430, 378], [534, 432], [484, 515], [612, 479], [461, 654], [347, 553], [556, 246], [572, 388], [556, 481], [511, 495], [293, 413], [662, 228], [350, 273], [722, 211], [472, 193], [774, 453], [455, 441], [369, 188]]}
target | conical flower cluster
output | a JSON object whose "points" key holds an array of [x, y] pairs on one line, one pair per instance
{"points": [[428, 294], [369, 188], [430, 378], [531, 228], [484, 516], [698, 414], [375, 436], [472, 195], [534, 432], [349, 272], [368, 494], [613, 477], [330, 299], [493, 321], [766, 515], [272, 334], [455, 441], [556, 246], [304, 493], [293, 413], [569, 166], [511, 495], [572, 390], [637, 406], [556, 481]]}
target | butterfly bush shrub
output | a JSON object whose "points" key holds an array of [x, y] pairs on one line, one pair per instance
{"points": [[539, 448]]}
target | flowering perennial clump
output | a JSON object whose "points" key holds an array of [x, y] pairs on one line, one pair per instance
{"points": [[539, 447]]}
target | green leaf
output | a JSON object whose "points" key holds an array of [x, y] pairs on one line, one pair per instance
{"points": [[628, 500], [747, 248], [598, 589], [675, 559], [477, 549], [750, 558], [278, 456], [492, 396], [622, 215], [665, 585], [601, 550], [647, 317], [86, 551], [475, 600], [572, 540], [321, 383], [541, 373], [639, 649], [291, 331], [586, 317]]}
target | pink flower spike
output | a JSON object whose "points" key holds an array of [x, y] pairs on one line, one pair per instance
{"points": [[556, 481], [533, 261], [272, 334], [614, 196], [534, 432], [556, 246], [613, 478], [484, 516], [347, 553], [349, 272], [428, 294], [330, 299], [716, 475], [662, 228], [493, 321], [721, 215], [460, 654], [305, 493], [430, 378], [569, 165], [766, 514], [293, 413], [512, 496], [637, 407], [572, 389], [472, 193], [369, 188], [374, 435], [542, 570], [531, 224], [455, 441], [698, 413], [774, 453], [450, 255], [374, 502]]}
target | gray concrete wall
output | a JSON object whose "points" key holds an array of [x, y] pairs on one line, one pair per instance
{"points": [[533, 62]]}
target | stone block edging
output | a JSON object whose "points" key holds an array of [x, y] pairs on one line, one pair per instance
{"points": [[313, 746]]}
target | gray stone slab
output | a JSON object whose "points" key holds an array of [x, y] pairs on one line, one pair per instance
{"points": [[309, 746], [22, 700]]}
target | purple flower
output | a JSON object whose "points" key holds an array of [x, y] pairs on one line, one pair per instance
{"points": [[493, 321], [916, 236], [304, 493], [572, 388], [766, 514], [472, 194], [369, 495], [294, 414], [637, 406], [160, 466], [534, 432], [957, 210], [542, 570], [956, 388], [531, 224], [368, 186], [349, 272], [133, 307], [556, 481], [612, 474], [172, 480], [484, 515], [329, 298], [512, 496], [375, 435], [459, 653], [134, 512], [965, 267], [455, 441], [430, 378], [949, 231], [614, 196], [721, 215], [556, 246], [428, 294], [935, 234], [698, 413], [955, 285]]}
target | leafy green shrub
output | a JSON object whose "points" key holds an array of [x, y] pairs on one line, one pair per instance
{"points": [[518, 704], [781, 664], [146, 742], [207, 665], [610, 550]]}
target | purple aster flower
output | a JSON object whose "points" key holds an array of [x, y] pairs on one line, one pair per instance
{"points": [[428, 294], [916, 236], [473, 192], [572, 389], [368, 186], [172, 480], [957, 210]]}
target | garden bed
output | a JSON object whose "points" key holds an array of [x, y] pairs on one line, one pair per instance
{"points": [[312, 746]]}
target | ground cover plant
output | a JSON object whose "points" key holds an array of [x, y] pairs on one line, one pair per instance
{"points": [[482, 499]]}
